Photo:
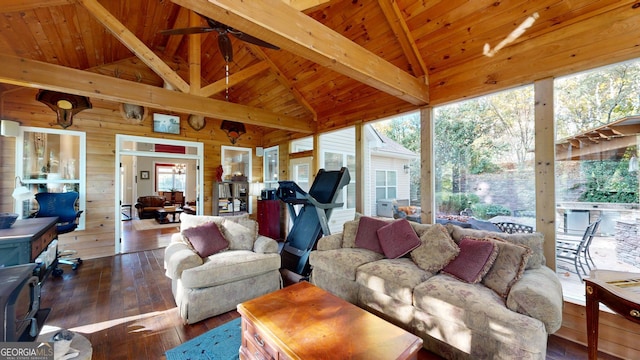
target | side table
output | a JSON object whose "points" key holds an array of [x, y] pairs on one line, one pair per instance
{"points": [[619, 291], [79, 342]]}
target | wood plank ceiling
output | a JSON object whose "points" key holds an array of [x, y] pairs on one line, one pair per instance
{"points": [[341, 61]]}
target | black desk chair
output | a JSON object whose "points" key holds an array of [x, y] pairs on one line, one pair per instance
{"points": [[62, 205]]}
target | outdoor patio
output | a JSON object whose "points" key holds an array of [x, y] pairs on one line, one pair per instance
{"points": [[603, 251]]}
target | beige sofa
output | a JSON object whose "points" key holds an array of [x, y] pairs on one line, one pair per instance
{"points": [[456, 319], [207, 286]]}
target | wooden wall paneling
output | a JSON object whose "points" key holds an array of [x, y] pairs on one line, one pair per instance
{"points": [[557, 53], [617, 335], [101, 124]]}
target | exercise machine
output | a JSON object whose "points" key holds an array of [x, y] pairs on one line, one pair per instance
{"points": [[311, 220]]}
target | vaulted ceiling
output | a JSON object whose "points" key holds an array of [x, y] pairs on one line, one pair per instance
{"points": [[340, 62]]}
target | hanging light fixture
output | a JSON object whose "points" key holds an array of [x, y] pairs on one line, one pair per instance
{"points": [[179, 169], [233, 129], [65, 105]]}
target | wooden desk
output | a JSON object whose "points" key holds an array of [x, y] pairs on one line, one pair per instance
{"points": [[619, 291], [303, 321], [23, 242]]}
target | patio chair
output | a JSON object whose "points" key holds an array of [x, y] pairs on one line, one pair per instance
{"points": [[576, 250]]}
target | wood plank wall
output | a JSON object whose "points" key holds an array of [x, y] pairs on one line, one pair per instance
{"points": [[617, 335], [101, 124]]}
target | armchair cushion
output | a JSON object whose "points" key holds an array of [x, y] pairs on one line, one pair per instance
{"points": [[229, 266], [206, 239], [265, 245], [179, 257], [241, 233]]}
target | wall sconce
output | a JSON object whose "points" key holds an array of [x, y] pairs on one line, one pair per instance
{"points": [[65, 105], [233, 130], [21, 193], [406, 168]]}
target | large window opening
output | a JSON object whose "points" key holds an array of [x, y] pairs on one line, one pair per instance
{"points": [[597, 171], [484, 159]]}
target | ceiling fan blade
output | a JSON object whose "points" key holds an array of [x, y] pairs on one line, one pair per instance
{"points": [[186, 31], [226, 49], [253, 40]]}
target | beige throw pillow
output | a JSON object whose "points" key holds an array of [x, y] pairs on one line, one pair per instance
{"points": [[436, 250], [508, 267]]}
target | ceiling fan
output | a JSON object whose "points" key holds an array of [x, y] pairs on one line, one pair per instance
{"points": [[224, 43]]}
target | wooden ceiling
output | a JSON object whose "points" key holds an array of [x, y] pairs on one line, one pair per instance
{"points": [[340, 62]]}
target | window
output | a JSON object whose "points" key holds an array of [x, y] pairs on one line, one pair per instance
{"points": [[598, 178], [271, 165], [335, 161], [170, 177], [51, 160], [484, 163], [386, 184]]}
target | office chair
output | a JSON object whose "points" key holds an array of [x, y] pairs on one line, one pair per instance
{"points": [[63, 206]]}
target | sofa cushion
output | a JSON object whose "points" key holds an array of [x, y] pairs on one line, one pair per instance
{"points": [[508, 267], [349, 231], [533, 240], [205, 239], [393, 277], [397, 238], [538, 294], [437, 249], [343, 261], [229, 266], [473, 261], [367, 236], [463, 314]]}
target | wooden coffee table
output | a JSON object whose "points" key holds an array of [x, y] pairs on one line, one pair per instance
{"points": [[161, 215], [303, 321]]}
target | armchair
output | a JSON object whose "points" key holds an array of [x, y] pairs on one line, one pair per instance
{"points": [[147, 206], [211, 284]]}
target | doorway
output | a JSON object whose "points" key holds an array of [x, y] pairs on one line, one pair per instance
{"points": [[131, 153]]}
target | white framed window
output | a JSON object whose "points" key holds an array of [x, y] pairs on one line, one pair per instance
{"points": [[270, 168], [51, 160], [335, 161], [170, 177], [386, 184]]}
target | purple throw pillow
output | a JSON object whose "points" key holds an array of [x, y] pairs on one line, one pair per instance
{"points": [[473, 262], [367, 236], [397, 239], [206, 239]]}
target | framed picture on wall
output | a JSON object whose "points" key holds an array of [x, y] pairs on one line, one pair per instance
{"points": [[144, 175], [168, 124]]}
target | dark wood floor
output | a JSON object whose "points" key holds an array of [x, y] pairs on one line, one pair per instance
{"points": [[123, 305]]}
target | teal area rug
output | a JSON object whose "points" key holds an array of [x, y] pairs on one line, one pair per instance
{"points": [[221, 343]]}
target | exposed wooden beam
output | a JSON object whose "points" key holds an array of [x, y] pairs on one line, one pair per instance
{"points": [[195, 55], [234, 79], [182, 20], [293, 31], [284, 81], [23, 5], [626, 129], [400, 29], [302, 5], [42, 75], [128, 39]]}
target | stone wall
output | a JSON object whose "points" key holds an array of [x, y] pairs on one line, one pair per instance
{"points": [[627, 241]]}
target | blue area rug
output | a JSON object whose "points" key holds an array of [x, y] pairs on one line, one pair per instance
{"points": [[221, 343]]}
